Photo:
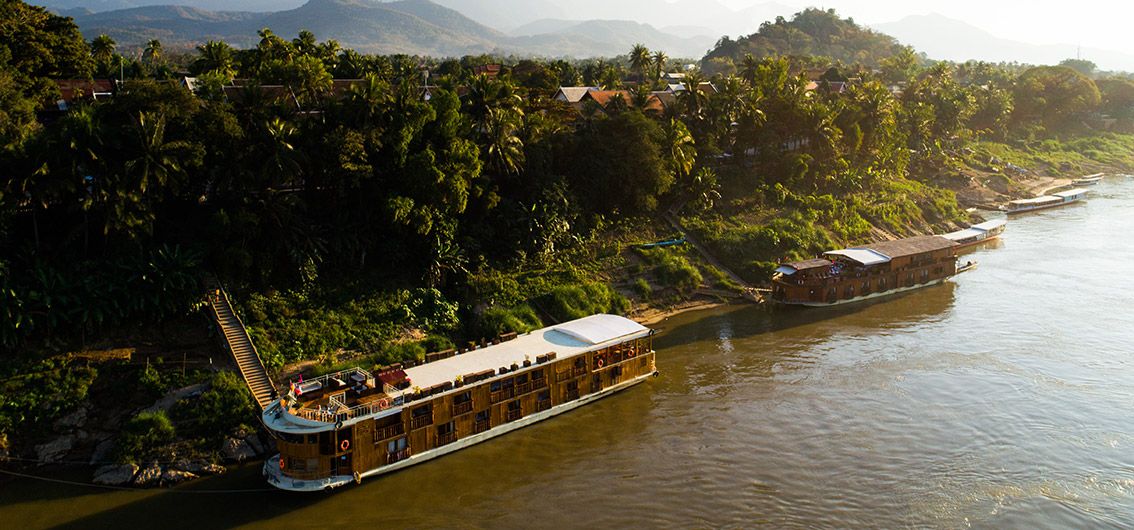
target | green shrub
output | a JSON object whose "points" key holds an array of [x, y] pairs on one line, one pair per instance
{"points": [[643, 289], [571, 302], [676, 271], [499, 320], [143, 434], [226, 405]]}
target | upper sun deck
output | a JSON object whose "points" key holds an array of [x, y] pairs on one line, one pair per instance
{"points": [[355, 393]]}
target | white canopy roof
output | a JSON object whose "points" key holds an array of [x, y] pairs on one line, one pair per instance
{"points": [[1071, 193], [597, 329], [961, 235], [864, 256], [991, 225]]}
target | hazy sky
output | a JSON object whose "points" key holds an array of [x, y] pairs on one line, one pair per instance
{"points": [[1090, 23]]}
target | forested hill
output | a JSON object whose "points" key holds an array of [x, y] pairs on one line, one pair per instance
{"points": [[812, 32]]}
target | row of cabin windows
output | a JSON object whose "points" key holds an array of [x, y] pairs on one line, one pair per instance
{"points": [[511, 382]]}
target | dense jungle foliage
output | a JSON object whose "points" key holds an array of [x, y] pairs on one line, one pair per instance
{"points": [[385, 217]]}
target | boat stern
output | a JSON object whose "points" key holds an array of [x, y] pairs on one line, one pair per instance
{"points": [[275, 476]]}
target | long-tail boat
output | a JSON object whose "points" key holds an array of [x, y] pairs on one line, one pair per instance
{"points": [[346, 426]]}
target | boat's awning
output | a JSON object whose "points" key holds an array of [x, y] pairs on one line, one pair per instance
{"points": [[864, 256], [962, 235], [1069, 194], [989, 226], [598, 329], [787, 270]]}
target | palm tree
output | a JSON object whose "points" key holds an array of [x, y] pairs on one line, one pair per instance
{"points": [[692, 97], [152, 53], [704, 188], [749, 69], [282, 165], [102, 49], [661, 61], [216, 56], [504, 149], [681, 148], [640, 59]]}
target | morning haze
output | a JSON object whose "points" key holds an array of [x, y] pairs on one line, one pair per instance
{"points": [[1031, 32]]}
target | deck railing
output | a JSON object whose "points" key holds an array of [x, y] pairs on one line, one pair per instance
{"points": [[462, 408], [392, 431]]}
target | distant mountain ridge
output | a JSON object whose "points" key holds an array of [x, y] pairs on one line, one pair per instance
{"points": [[419, 27], [941, 37]]}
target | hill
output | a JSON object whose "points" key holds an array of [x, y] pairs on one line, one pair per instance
{"points": [[566, 37], [941, 37], [416, 27], [811, 32]]}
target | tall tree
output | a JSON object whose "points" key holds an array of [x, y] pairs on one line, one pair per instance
{"points": [[640, 61]]}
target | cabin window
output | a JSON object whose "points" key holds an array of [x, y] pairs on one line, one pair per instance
{"points": [[447, 428], [580, 363], [866, 286], [537, 375], [832, 294], [508, 383], [924, 275], [881, 284], [397, 445], [521, 379], [290, 438], [544, 396], [495, 386], [573, 386], [423, 411], [482, 416], [312, 439], [326, 444], [513, 405], [849, 291], [462, 398]]}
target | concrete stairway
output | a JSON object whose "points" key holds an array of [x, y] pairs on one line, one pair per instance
{"points": [[241, 347]]}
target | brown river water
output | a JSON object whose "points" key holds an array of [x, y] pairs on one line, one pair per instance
{"points": [[1003, 399]]}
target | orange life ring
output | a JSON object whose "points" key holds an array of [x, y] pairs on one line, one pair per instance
{"points": [[345, 445], [282, 464], [598, 363], [384, 404]]}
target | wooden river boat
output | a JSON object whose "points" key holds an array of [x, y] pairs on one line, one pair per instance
{"points": [[345, 427], [866, 272]]}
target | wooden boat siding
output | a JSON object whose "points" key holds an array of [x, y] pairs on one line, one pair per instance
{"points": [[901, 272], [434, 422]]}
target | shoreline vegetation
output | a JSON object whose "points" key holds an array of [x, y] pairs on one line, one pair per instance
{"points": [[367, 210]]}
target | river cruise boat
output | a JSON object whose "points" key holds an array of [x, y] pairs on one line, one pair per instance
{"points": [[1090, 180], [977, 234], [347, 426], [1054, 200], [866, 272]]}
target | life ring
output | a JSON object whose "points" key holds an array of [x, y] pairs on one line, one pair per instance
{"points": [[598, 363], [384, 404], [282, 464], [630, 353], [345, 445]]}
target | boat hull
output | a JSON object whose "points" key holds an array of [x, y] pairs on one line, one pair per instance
{"points": [[871, 296], [277, 479], [1045, 207]]}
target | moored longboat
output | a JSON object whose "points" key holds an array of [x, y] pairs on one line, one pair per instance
{"points": [[1054, 200], [978, 233], [866, 272], [347, 426]]}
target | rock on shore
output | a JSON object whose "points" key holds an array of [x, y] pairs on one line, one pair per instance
{"points": [[115, 475]]}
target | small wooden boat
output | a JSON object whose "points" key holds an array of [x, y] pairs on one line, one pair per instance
{"points": [[1090, 180], [977, 234], [1054, 200]]}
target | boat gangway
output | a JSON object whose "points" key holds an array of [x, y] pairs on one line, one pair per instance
{"points": [[240, 345]]}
